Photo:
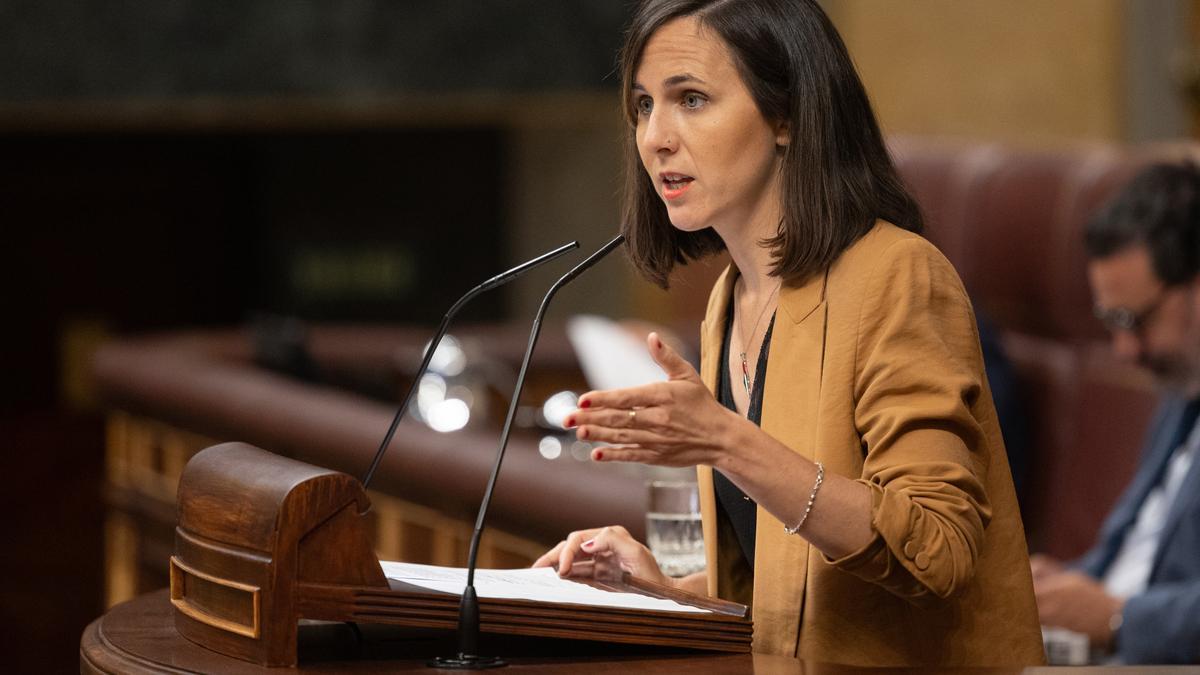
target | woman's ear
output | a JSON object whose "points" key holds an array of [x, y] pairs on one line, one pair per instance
{"points": [[783, 134]]}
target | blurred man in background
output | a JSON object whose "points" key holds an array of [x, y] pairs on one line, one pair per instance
{"points": [[1136, 593]]}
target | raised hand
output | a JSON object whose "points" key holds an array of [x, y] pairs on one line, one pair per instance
{"points": [[672, 423]]}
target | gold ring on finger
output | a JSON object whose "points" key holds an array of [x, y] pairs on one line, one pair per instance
{"points": [[632, 417]]}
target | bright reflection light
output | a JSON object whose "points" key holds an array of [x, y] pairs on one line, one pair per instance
{"points": [[449, 359], [550, 447], [451, 414], [557, 407], [460, 392], [431, 392]]}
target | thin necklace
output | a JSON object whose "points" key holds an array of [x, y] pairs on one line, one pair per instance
{"points": [[746, 381]]}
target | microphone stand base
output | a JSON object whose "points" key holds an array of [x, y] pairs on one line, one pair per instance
{"points": [[466, 662]]}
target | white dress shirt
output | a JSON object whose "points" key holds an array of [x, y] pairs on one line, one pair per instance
{"points": [[1130, 570]]}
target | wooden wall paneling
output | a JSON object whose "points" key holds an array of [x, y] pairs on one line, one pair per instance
{"points": [[120, 558]]}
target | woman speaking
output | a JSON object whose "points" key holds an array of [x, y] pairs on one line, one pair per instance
{"points": [[853, 479]]}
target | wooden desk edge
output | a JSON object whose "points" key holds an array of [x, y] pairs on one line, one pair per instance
{"points": [[98, 656]]}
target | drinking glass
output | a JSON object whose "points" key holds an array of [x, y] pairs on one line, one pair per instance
{"points": [[673, 530]]}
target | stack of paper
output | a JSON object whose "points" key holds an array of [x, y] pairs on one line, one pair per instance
{"points": [[537, 602]]}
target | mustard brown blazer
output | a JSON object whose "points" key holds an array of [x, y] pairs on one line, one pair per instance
{"points": [[875, 370]]}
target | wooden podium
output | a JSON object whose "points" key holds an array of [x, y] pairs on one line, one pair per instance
{"points": [[264, 541]]}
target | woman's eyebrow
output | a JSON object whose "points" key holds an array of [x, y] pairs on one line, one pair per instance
{"points": [[675, 80], [672, 81]]}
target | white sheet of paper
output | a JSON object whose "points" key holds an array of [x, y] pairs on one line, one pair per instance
{"points": [[541, 584], [611, 357]]}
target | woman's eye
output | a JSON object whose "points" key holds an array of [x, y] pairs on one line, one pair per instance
{"points": [[692, 100], [644, 105]]}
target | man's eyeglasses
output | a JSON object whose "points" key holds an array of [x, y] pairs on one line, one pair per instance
{"points": [[1124, 319]]}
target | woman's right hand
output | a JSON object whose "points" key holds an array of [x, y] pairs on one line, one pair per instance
{"points": [[603, 553]]}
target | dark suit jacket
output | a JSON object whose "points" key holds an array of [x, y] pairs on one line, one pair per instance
{"points": [[1162, 625]]}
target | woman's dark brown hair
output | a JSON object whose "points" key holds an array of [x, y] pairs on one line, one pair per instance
{"points": [[837, 175]]}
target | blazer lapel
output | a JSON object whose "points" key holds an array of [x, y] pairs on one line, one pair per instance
{"points": [[711, 335], [1185, 501], [790, 404], [1170, 434]]}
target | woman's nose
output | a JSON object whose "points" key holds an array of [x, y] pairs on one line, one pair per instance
{"points": [[659, 134]]}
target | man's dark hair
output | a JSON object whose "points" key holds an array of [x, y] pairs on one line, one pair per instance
{"points": [[1160, 209], [838, 177]]}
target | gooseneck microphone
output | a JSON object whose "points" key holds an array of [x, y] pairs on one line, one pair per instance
{"points": [[498, 280], [468, 610]]}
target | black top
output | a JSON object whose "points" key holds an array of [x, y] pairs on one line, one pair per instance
{"points": [[741, 510]]}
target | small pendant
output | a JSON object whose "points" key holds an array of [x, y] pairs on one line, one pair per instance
{"points": [[745, 374]]}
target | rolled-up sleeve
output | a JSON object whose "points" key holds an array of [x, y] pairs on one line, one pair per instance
{"points": [[919, 378]]}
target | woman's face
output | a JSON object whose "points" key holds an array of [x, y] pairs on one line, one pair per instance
{"points": [[712, 157]]}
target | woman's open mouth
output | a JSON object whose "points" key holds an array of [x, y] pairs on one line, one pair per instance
{"points": [[674, 185]]}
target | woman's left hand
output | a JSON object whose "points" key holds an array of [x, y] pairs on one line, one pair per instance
{"points": [[672, 423]]}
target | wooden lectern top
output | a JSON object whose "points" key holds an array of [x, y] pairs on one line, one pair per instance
{"points": [[138, 638], [237, 494], [264, 541]]}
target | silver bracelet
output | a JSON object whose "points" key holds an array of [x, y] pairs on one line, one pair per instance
{"points": [[812, 497]]}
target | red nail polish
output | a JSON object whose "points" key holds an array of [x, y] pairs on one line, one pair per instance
{"points": [[583, 433], [589, 543], [599, 454], [585, 404], [569, 423]]}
